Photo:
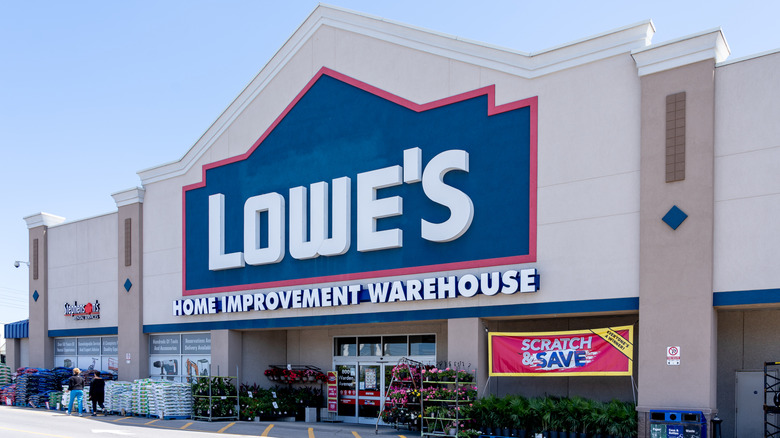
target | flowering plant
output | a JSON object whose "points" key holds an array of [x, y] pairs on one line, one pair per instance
{"points": [[273, 373], [293, 375], [465, 376], [404, 372], [447, 375], [469, 433]]}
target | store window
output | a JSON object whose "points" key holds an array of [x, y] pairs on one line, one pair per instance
{"points": [[370, 346], [88, 353], [422, 345], [179, 357], [393, 345], [346, 347]]}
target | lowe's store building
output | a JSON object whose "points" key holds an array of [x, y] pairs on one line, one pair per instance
{"points": [[380, 191]]}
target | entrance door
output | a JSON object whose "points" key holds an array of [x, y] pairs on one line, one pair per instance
{"points": [[370, 391], [361, 387]]}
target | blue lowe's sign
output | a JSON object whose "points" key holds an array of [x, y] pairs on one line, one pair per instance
{"points": [[351, 182]]}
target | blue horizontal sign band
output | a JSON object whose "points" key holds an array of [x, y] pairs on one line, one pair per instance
{"points": [[97, 331], [564, 307], [745, 297]]}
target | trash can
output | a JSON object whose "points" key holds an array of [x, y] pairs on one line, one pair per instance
{"points": [[311, 415], [678, 424]]}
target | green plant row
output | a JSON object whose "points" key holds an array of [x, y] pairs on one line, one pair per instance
{"points": [[259, 402], [493, 415], [214, 397]]}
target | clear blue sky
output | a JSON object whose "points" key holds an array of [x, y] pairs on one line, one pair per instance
{"points": [[93, 91]]}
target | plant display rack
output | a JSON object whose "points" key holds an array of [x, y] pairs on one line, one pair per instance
{"points": [[442, 402], [221, 393], [771, 392], [289, 374], [401, 404]]}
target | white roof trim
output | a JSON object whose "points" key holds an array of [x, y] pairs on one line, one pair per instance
{"points": [[43, 219], [748, 57], [129, 196], [84, 219], [710, 44], [525, 65]]}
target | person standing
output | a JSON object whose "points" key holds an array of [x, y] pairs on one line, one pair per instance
{"points": [[97, 393], [76, 387]]}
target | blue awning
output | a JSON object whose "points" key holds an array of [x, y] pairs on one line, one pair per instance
{"points": [[18, 329]]}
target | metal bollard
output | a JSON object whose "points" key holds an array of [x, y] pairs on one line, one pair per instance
{"points": [[716, 426]]}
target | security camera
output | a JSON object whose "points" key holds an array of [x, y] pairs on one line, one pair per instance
{"points": [[16, 264]]}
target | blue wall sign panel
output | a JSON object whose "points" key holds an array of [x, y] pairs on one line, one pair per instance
{"points": [[339, 127]]}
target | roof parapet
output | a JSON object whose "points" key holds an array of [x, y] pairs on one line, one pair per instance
{"points": [[687, 50]]}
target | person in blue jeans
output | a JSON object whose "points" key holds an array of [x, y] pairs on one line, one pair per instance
{"points": [[76, 387]]}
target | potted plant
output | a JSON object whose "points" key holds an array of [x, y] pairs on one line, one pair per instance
{"points": [[469, 433], [447, 375], [465, 376], [518, 408], [543, 409], [623, 422], [401, 372], [504, 412], [571, 416], [430, 374]]}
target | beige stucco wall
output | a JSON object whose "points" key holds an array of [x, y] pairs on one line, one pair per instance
{"points": [[747, 189], [676, 270], [83, 268], [132, 342]]}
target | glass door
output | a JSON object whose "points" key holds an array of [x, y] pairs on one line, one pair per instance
{"points": [[347, 390], [361, 387], [363, 365], [370, 391]]}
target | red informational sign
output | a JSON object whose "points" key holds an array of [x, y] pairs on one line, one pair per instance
{"points": [[333, 391], [593, 352]]}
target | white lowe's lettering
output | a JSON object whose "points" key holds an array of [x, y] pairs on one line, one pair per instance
{"points": [[329, 231], [431, 288]]}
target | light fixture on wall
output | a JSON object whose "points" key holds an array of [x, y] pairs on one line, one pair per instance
{"points": [[19, 263]]}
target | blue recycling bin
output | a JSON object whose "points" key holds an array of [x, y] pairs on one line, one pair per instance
{"points": [[678, 424]]}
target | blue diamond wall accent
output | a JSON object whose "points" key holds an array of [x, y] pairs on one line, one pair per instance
{"points": [[674, 217], [35, 296], [128, 285]]}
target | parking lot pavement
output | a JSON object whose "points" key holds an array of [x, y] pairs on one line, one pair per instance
{"points": [[263, 428]]}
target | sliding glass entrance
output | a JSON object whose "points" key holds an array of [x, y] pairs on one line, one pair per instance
{"points": [[363, 365]]}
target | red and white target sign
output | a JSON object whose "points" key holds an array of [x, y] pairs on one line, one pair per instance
{"points": [[673, 355]]}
